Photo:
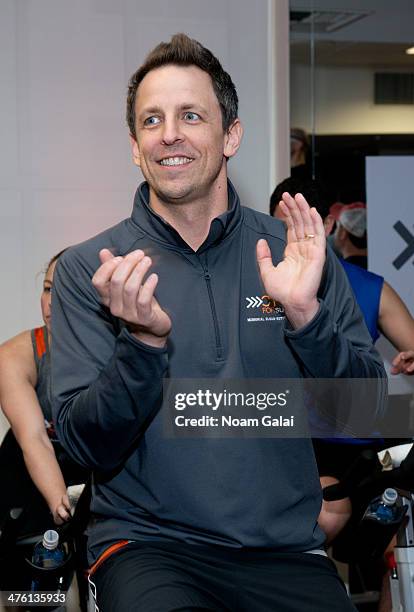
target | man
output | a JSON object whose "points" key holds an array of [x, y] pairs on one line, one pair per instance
{"points": [[386, 312], [299, 150], [211, 524], [350, 237]]}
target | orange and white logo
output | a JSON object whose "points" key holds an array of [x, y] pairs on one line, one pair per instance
{"points": [[267, 305]]}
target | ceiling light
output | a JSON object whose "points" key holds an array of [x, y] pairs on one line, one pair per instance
{"points": [[410, 51]]}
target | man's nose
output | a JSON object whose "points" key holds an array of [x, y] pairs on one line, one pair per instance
{"points": [[172, 131]]}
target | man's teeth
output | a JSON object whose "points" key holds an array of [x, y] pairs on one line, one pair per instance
{"points": [[175, 161]]}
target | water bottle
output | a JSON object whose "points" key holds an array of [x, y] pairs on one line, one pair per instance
{"points": [[371, 535], [386, 508], [48, 554]]}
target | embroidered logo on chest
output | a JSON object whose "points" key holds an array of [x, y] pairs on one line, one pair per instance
{"points": [[263, 308]]}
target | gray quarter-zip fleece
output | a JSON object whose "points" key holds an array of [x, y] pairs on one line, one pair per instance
{"points": [[107, 386]]}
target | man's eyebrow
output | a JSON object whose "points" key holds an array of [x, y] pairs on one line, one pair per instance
{"points": [[154, 110], [193, 106], [150, 110]]}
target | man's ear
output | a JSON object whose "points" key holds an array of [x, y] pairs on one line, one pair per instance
{"points": [[135, 151], [340, 234], [328, 224], [232, 138]]}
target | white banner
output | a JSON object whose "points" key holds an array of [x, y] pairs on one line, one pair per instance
{"points": [[390, 211]]}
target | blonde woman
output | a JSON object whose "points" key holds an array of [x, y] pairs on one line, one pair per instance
{"points": [[30, 452]]}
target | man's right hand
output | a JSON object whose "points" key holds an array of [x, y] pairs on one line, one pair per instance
{"points": [[119, 282]]}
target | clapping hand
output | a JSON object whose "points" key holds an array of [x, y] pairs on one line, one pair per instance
{"points": [[121, 286], [295, 281]]}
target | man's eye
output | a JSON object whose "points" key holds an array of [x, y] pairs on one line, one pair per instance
{"points": [[151, 121], [191, 116], [47, 289]]}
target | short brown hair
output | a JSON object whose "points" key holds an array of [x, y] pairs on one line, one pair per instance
{"points": [[185, 51], [314, 192]]}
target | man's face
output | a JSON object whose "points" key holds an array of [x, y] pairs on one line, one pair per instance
{"points": [[181, 146]]}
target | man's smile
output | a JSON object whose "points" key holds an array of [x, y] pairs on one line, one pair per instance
{"points": [[175, 161]]}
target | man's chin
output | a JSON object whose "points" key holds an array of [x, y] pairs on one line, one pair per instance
{"points": [[178, 194]]}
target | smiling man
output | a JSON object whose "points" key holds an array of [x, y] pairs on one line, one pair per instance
{"points": [[198, 523]]}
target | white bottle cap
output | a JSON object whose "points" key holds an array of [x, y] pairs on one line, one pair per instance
{"points": [[389, 497], [50, 539]]}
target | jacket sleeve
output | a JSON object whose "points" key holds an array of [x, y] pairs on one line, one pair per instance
{"points": [[336, 343], [106, 385]]}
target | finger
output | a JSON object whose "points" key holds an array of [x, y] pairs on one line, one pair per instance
{"points": [[398, 365], [303, 209], [130, 261], [410, 368], [146, 294], [295, 214], [135, 255], [406, 362], [309, 228], [281, 210], [318, 226], [119, 280], [133, 286], [62, 513], [105, 255], [397, 360], [102, 277], [291, 232], [264, 256]]}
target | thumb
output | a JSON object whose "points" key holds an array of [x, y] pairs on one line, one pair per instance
{"points": [[264, 256], [105, 255]]}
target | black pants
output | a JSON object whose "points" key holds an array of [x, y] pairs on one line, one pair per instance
{"points": [[178, 577]]}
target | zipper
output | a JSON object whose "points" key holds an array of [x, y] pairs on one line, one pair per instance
{"points": [[219, 348]]}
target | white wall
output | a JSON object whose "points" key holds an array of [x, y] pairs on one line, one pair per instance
{"points": [[387, 205], [344, 103], [65, 167]]}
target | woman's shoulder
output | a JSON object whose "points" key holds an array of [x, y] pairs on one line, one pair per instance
{"points": [[18, 352], [18, 342]]}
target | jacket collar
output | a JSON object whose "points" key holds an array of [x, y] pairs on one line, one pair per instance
{"points": [[157, 228]]}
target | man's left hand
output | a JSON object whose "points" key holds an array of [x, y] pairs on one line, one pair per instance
{"points": [[295, 281]]}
